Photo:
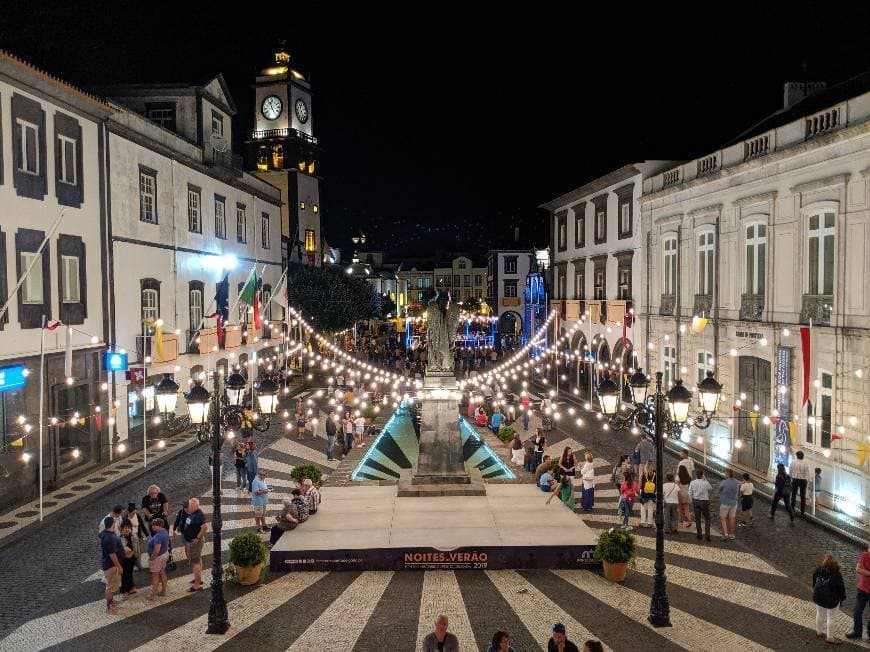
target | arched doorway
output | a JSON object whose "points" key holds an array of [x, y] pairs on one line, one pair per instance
{"points": [[603, 358], [623, 365], [510, 325], [580, 348]]}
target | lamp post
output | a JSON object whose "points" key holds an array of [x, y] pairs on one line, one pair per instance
{"points": [[216, 412], [647, 408]]}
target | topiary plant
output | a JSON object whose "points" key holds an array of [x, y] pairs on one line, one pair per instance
{"points": [[307, 470], [369, 412], [506, 433], [247, 550], [616, 547]]}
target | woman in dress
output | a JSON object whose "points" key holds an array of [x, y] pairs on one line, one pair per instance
{"points": [[565, 491], [517, 450], [683, 481], [587, 477]]}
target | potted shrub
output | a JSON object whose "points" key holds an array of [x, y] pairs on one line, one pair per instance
{"points": [[248, 557], [506, 433], [616, 550], [369, 414], [307, 470]]}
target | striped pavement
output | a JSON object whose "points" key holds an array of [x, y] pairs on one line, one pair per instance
{"points": [[722, 597]]}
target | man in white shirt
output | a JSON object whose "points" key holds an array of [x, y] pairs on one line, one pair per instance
{"points": [[699, 493], [800, 474], [688, 462], [671, 494]]}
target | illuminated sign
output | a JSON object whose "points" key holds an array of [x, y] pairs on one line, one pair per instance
{"points": [[114, 361], [13, 377]]}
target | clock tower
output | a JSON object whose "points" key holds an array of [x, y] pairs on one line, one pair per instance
{"points": [[283, 151]]}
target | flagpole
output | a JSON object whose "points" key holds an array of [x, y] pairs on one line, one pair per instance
{"points": [[144, 413], [41, 404]]}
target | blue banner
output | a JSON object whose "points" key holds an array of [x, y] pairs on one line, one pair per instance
{"points": [[782, 403], [14, 377]]}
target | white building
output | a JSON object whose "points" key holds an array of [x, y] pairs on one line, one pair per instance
{"points": [[183, 215], [461, 278], [51, 144], [597, 259], [507, 271], [764, 236]]}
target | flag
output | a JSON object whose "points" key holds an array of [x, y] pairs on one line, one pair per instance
{"points": [[257, 290], [699, 324], [835, 436], [222, 302], [753, 418], [249, 289], [805, 349], [279, 294], [67, 357], [53, 325], [792, 430]]}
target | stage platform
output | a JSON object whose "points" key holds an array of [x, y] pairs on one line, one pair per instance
{"points": [[370, 528]]}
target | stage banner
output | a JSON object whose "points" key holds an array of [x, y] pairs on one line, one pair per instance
{"points": [[782, 403]]}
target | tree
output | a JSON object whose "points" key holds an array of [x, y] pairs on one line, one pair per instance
{"points": [[330, 300]]}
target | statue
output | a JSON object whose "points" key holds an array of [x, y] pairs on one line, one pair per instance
{"points": [[442, 318]]}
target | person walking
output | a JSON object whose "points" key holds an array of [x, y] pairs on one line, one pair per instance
{"points": [[671, 494], [729, 488], [648, 495], [699, 493], [862, 597], [239, 451], [800, 475], [259, 500], [331, 429], [252, 463], [112, 552], [828, 594], [193, 532], [526, 403], [688, 462], [158, 555], [746, 490], [628, 493], [683, 481], [540, 444], [347, 427], [495, 420], [587, 487], [440, 640], [782, 490]]}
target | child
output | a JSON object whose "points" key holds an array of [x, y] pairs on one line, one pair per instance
{"points": [[158, 553], [300, 425], [128, 588], [746, 489]]}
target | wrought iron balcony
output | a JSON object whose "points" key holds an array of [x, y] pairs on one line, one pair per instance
{"points": [[668, 304], [817, 307], [751, 307], [703, 304], [283, 133]]}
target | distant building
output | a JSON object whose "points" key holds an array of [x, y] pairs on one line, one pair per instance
{"points": [[461, 278], [419, 282], [507, 273]]}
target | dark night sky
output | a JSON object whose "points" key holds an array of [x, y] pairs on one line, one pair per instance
{"points": [[468, 119]]}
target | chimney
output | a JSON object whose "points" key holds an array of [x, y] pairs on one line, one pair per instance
{"points": [[516, 235], [794, 92]]}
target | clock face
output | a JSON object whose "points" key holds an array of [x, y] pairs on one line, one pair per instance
{"points": [[302, 111], [271, 107]]}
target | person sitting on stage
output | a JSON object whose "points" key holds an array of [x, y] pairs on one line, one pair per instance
{"points": [[441, 640], [286, 519], [311, 495]]}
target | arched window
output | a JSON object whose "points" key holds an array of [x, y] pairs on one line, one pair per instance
{"points": [[278, 157], [195, 292]]}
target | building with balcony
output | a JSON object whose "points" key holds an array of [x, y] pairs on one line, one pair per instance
{"points": [[419, 283], [763, 237], [507, 273], [461, 278], [597, 259]]}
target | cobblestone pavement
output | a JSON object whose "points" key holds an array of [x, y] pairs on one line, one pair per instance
{"points": [[751, 594]]}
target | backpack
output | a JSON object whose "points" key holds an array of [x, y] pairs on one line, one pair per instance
{"points": [[649, 485]]}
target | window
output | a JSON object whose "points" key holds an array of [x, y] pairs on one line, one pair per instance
{"points": [[302, 206], [315, 208], [462, 264], [510, 265], [466, 280], [478, 293], [824, 409], [580, 226], [195, 308], [70, 279], [599, 284], [427, 283], [600, 226], [625, 218], [163, 115], [194, 223], [445, 281], [580, 284], [220, 217], [419, 282], [29, 155], [309, 240], [561, 283], [821, 253], [510, 288], [478, 279], [756, 240], [150, 307], [264, 225], [241, 224], [624, 282], [31, 291], [669, 365], [670, 266], [148, 196], [705, 263], [562, 231], [705, 364], [217, 124], [67, 163], [456, 280]]}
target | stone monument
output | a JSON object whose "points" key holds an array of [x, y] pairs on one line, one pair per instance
{"points": [[440, 468]]}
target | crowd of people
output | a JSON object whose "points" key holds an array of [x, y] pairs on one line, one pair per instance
{"points": [[442, 640]]}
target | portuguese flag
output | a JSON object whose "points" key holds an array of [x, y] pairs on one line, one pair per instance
{"points": [[248, 295]]}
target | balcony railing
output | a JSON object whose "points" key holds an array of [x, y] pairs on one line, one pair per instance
{"points": [[671, 177], [703, 304], [708, 164], [823, 122], [668, 304], [597, 310], [817, 307], [756, 147], [617, 309], [283, 133], [751, 307]]}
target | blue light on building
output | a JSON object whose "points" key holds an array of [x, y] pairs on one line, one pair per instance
{"points": [[115, 361], [14, 377]]}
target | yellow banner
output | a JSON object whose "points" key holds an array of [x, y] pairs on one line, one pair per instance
{"points": [[699, 324], [753, 419], [792, 429]]}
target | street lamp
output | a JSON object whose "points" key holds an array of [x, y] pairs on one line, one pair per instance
{"points": [[235, 385], [198, 400], [652, 409], [167, 395], [267, 396]]}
